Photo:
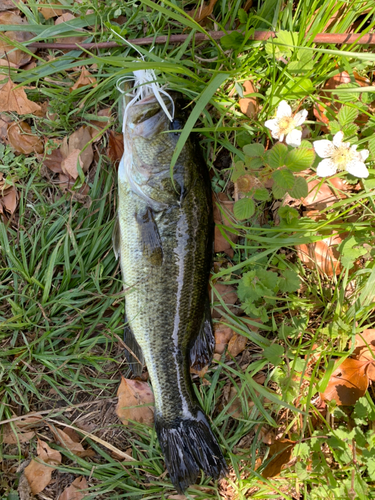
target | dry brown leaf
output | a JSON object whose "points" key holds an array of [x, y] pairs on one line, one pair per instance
{"points": [[48, 11], [134, 398], [69, 164], [364, 350], [348, 382], [236, 345], [74, 491], [10, 17], [77, 148], [53, 161], [223, 334], [201, 373], [280, 453], [97, 127], [70, 444], [14, 436], [221, 243], [249, 105], [322, 255], [229, 295], [4, 122], [12, 99], [22, 139], [38, 474], [65, 18], [8, 4], [322, 195], [202, 12], [115, 148], [85, 78], [15, 56], [8, 200]]}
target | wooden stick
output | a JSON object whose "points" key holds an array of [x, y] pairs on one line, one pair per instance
{"points": [[333, 38]]}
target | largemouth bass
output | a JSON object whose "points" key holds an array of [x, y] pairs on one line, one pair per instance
{"points": [[165, 246]]}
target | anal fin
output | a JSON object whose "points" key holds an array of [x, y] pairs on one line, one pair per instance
{"points": [[203, 346], [133, 352]]}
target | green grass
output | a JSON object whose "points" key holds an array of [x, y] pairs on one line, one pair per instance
{"points": [[63, 305]]}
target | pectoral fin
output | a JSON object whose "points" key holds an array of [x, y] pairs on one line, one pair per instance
{"points": [[133, 352], [149, 237], [203, 346], [116, 238]]}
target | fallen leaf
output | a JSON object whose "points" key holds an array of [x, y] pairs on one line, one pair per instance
{"points": [[10, 17], [38, 474], [10, 53], [74, 446], [249, 105], [8, 200], [322, 255], [348, 382], [229, 296], [85, 78], [4, 122], [69, 164], [223, 334], [53, 161], [47, 11], [96, 127], [15, 99], [280, 454], [223, 217], [201, 373], [74, 491], [15, 435], [22, 139], [134, 400], [199, 14], [324, 194], [115, 148], [65, 18], [76, 148], [364, 350], [8, 4], [236, 345]]}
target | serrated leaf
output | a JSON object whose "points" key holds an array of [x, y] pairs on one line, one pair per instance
{"points": [[347, 115], [276, 156], [253, 150], [288, 213], [290, 281], [242, 16], [277, 191], [350, 129], [300, 188], [273, 354], [253, 163], [284, 178], [261, 194], [238, 170], [244, 208], [232, 41], [371, 147], [334, 127], [282, 46], [268, 279], [306, 145], [300, 159]]}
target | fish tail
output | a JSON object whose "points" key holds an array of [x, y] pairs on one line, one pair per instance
{"points": [[189, 445]]}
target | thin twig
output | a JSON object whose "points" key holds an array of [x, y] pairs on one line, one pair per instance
{"points": [[333, 38]]}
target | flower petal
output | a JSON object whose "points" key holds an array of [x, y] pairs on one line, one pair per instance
{"points": [[324, 148], [357, 168], [364, 154], [337, 139], [294, 138], [300, 117], [283, 109], [272, 125], [326, 167]]}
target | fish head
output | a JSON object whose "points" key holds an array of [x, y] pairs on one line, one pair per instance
{"points": [[150, 141]]}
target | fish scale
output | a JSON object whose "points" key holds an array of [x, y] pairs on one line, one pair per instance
{"points": [[166, 233]]}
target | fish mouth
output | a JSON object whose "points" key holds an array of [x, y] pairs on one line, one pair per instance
{"points": [[146, 118]]}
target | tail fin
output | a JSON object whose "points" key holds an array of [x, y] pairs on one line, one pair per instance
{"points": [[189, 445]]}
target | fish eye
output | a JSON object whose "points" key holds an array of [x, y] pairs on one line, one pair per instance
{"points": [[176, 125]]}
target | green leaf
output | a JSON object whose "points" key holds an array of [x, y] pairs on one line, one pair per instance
{"points": [[253, 163], [300, 188], [244, 208], [243, 138], [238, 170], [371, 146], [334, 127], [347, 115], [232, 41], [261, 194], [253, 150], [290, 281], [300, 159], [283, 45], [348, 251], [276, 156], [284, 178], [288, 213], [268, 279], [277, 191], [300, 66], [242, 16], [350, 129], [273, 354]]}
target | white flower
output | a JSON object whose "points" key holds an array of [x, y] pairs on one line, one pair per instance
{"points": [[339, 156], [285, 124]]}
